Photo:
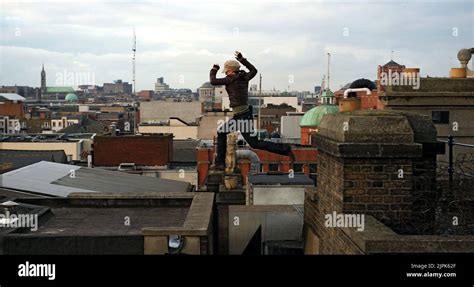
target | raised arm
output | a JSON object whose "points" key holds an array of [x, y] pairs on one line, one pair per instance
{"points": [[252, 70], [214, 81]]}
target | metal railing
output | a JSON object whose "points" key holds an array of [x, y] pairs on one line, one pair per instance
{"points": [[451, 170]]}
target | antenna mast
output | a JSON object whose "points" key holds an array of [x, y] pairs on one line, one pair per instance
{"points": [[134, 49], [329, 57]]}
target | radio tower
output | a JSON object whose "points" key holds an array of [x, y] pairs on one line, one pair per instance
{"points": [[134, 49]]}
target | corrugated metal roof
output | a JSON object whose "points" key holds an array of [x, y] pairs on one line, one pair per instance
{"points": [[54, 179], [12, 96], [37, 178]]}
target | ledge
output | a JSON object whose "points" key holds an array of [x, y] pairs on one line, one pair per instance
{"points": [[363, 150], [378, 238]]}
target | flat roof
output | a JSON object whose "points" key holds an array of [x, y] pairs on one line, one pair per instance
{"points": [[279, 179], [103, 214]]}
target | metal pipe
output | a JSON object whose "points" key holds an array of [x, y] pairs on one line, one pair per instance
{"points": [[450, 164], [250, 155]]}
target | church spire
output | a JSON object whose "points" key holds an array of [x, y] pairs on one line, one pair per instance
{"points": [[43, 80]]}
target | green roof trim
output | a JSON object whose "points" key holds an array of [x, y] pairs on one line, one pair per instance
{"points": [[327, 94], [53, 90], [312, 118]]}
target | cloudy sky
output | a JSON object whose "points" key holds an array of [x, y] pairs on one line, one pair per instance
{"points": [[180, 40]]}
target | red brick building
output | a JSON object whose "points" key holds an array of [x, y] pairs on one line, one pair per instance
{"points": [[11, 105], [146, 94], [367, 102], [305, 161], [153, 150]]}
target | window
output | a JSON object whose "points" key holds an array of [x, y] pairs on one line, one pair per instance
{"points": [[313, 168], [298, 167], [273, 167], [440, 117]]}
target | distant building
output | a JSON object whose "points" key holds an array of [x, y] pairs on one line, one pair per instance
{"points": [[24, 91], [57, 93], [11, 105], [146, 94], [161, 86], [317, 90], [90, 90], [204, 129], [10, 125], [75, 146], [118, 87], [179, 128], [207, 96], [58, 124], [271, 116], [310, 121], [86, 125], [37, 125], [390, 67]]}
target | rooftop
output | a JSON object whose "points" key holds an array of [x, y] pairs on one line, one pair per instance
{"points": [[56, 179], [51, 90], [44, 137], [279, 179], [11, 97], [93, 223], [86, 125], [13, 159]]}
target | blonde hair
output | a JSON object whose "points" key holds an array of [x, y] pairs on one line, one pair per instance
{"points": [[231, 65]]}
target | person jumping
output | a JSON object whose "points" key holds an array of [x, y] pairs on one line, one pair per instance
{"points": [[236, 84]]}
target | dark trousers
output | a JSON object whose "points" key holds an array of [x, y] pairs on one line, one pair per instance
{"points": [[244, 123]]}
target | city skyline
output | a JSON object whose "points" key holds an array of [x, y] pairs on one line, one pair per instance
{"points": [[288, 46]]}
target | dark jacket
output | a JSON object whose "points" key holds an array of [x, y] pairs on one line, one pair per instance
{"points": [[236, 85]]}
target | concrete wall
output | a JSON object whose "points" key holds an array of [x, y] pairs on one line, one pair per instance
{"points": [[278, 223], [179, 132], [208, 123], [73, 149], [156, 111], [190, 176], [276, 195], [290, 128]]}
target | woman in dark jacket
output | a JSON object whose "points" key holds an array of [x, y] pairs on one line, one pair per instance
{"points": [[236, 84]]}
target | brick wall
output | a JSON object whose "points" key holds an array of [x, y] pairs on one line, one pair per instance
{"points": [[12, 109], [393, 182], [141, 150]]}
